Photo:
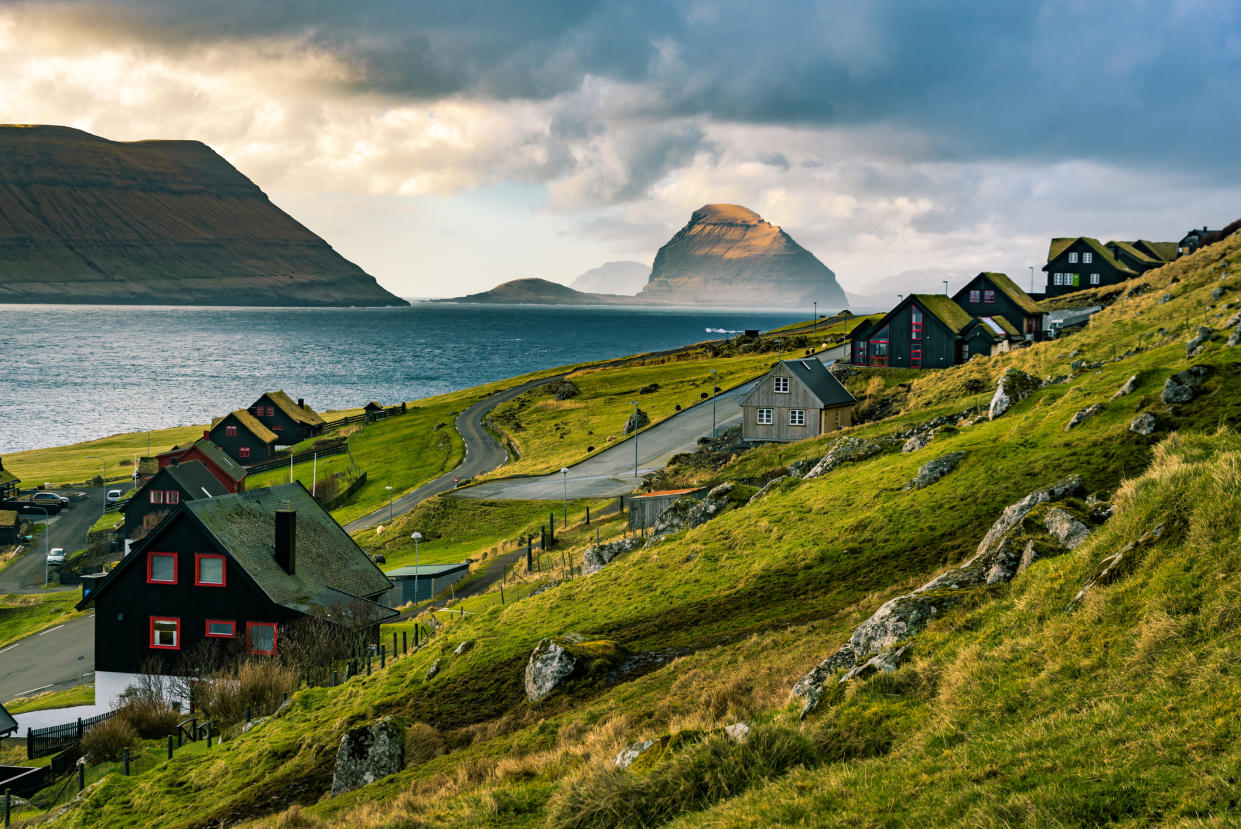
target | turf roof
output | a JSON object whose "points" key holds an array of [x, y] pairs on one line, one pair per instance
{"points": [[1132, 250], [1013, 291], [8, 518], [7, 477], [1061, 244], [956, 318], [1163, 251], [252, 425], [300, 414]]}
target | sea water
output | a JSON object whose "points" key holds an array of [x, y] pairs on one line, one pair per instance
{"points": [[73, 373]]}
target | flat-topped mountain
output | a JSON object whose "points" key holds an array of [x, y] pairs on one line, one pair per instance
{"points": [[729, 255], [540, 292], [87, 220]]}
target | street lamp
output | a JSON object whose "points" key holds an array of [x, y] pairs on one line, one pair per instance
{"points": [[389, 503], [1031, 267], [416, 537], [565, 474], [103, 481], [780, 351], [634, 403], [47, 526], [714, 386], [945, 287], [816, 319]]}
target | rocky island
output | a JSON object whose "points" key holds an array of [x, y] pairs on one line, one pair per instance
{"points": [[88, 220]]}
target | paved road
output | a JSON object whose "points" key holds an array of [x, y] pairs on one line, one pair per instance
{"points": [[483, 453], [48, 661], [67, 530]]}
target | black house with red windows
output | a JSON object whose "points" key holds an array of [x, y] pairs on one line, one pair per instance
{"points": [[995, 295], [243, 438], [922, 331], [175, 484], [230, 570], [224, 469], [291, 422]]}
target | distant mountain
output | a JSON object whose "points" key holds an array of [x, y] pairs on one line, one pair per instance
{"points": [[625, 278], [87, 220], [728, 255], [540, 292]]}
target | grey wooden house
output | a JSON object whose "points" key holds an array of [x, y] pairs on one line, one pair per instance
{"points": [[797, 399]]}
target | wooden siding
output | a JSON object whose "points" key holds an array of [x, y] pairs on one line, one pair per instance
{"points": [[288, 431], [1003, 306], [765, 396], [1108, 274], [232, 446]]}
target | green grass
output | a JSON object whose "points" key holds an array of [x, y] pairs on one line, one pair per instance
{"points": [[69, 697], [24, 614], [72, 464]]}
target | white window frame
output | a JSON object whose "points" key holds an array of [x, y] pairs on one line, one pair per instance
{"points": [[782, 385], [1087, 258], [1072, 257], [1094, 279], [765, 417], [797, 417]]}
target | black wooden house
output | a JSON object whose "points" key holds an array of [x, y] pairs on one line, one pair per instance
{"points": [[243, 438], [995, 295], [232, 571], [922, 331], [227, 471], [8, 483], [291, 422], [175, 484], [1080, 262]]}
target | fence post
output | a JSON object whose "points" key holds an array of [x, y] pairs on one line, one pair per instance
{"points": [[170, 740], [29, 743], [368, 664], [334, 679], [383, 657], [588, 516], [501, 594], [79, 729], [417, 628], [125, 760], [7, 797], [208, 736], [404, 642], [394, 650], [551, 528], [81, 776], [247, 715], [529, 552]]}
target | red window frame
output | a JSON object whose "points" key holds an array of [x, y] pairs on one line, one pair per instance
{"points": [[230, 431], [915, 325], [151, 635], [172, 496], [876, 359], [859, 352], [988, 297], [975, 296], [232, 626], [915, 358], [243, 452], [151, 560], [274, 632], [277, 427], [271, 411], [198, 557], [157, 496]]}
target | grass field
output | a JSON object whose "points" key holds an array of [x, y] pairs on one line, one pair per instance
{"points": [[24, 614], [69, 697]]}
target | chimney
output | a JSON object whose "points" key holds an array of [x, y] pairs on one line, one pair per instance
{"points": [[1, 464], [207, 433], [286, 538], [301, 402]]}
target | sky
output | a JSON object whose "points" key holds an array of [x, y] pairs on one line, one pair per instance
{"points": [[446, 147]]}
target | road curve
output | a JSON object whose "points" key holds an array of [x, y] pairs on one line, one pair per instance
{"points": [[54, 659], [483, 453]]}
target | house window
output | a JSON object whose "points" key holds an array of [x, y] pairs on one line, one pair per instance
{"points": [[1094, 279], [276, 427], [244, 452], [859, 352], [965, 352], [782, 385], [161, 568], [261, 638], [975, 296], [157, 496], [1073, 257], [1087, 258], [764, 417], [208, 570], [166, 632], [915, 332], [797, 417], [172, 496], [915, 358], [1058, 278], [988, 296], [221, 629], [271, 411], [230, 431], [879, 347]]}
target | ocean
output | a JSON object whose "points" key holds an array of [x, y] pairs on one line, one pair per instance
{"points": [[75, 373]]}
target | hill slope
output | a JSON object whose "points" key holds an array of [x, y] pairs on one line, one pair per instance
{"points": [[87, 220], [625, 278], [729, 255], [534, 291]]}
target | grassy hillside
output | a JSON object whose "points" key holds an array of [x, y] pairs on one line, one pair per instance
{"points": [[1013, 708]]}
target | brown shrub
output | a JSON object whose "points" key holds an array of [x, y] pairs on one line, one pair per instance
{"points": [[106, 740], [422, 743], [147, 708], [258, 684]]}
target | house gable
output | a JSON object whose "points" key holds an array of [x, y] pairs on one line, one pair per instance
{"points": [[1067, 269], [289, 421], [995, 295], [243, 438]]}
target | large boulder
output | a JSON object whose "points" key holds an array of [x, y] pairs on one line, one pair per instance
{"points": [[688, 512], [638, 420], [918, 441], [1085, 414], [849, 450], [932, 471], [558, 659], [1199, 341], [598, 557], [1127, 387], [1183, 386], [368, 753], [1011, 389], [1145, 424]]}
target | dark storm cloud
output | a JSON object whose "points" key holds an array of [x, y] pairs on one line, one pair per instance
{"points": [[1124, 80]]}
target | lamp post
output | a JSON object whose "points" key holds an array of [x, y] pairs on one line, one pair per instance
{"points": [[103, 481], [634, 403], [1031, 267], [47, 525], [416, 537], [389, 503], [816, 319], [945, 287], [780, 351], [565, 474], [714, 386]]}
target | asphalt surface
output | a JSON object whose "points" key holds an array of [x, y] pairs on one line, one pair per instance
{"points": [[67, 530], [59, 657], [483, 453]]}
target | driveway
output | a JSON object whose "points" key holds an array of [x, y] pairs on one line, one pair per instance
{"points": [[67, 530], [57, 658]]}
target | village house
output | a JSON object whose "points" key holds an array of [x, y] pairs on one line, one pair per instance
{"points": [[232, 571], [797, 399], [291, 422], [1080, 262], [175, 484], [224, 469], [10, 527], [929, 331], [994, 295], [243, 438], [8, 483], [1193, 240], [1143, 256]]}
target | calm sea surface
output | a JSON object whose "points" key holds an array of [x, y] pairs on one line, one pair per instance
{"points": [[74, 373]]}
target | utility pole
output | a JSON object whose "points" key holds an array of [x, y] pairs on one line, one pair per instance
{"points": [[816, 319], [945, 287], [714, 386], [1031, 267], [634, 403]]}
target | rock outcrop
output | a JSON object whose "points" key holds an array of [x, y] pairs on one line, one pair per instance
{"points": [[1127, 387], [87, 220], [1085, 414], [689, 512], [596, 558], [1183, 386], [368, 753], [1199, 341], [1011, 389], [1145, 424], [556, 660], [933, 470], [729, 256], [849, 450]]}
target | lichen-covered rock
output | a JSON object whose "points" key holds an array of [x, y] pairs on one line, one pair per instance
{"points": [[847, 450], [1084, 415], [368, 753], [596, 558], [566, 389], [638, 420], [433, 670], [1128, 387], [918, 441], [885, 662], [632, 752], [1183, 386], [1144, 424], [1234, 339], [1014, 513], [463, 647], [932, 471], [768, 487], [1218, 292], [1199, 341], [1011, 389], [689, 512], [738, 732], [1166, 298], [557, 659], [1066, 529]]}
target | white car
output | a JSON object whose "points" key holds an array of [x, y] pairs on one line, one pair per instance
{"points": [[114, 495], [56, 555]]}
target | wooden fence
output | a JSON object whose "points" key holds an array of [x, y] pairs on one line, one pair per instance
{"points": [[41, 742]]}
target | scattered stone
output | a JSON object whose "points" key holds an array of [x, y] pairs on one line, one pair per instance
{"points": [[1183, 386], [635, 750], [596, 558], [1139, 289], [1144, 424], [688, 512], [799, 468], [1166, 298], [1234, 339], [638, 420], [1199, 341], [433, 670], [918, 441], [932, 471], [1066, 529], [565, 390], [649, 389], [767, 488], [1099, 509], [1011, 389], [554, 660], [542, 588], [738, 731], [1084, 415], [887, 662], [1234, 320], [1219, 291], [1116, 564], [253, 724], [1128, 387], [848, 450], [368, 753], [463, 647]]}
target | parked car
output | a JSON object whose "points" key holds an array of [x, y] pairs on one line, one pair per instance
{"points": [[114, 495], [56, 555], [49, 498]]}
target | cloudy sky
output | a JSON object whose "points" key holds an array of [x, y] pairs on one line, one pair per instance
{"points": [[449, 146]]}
